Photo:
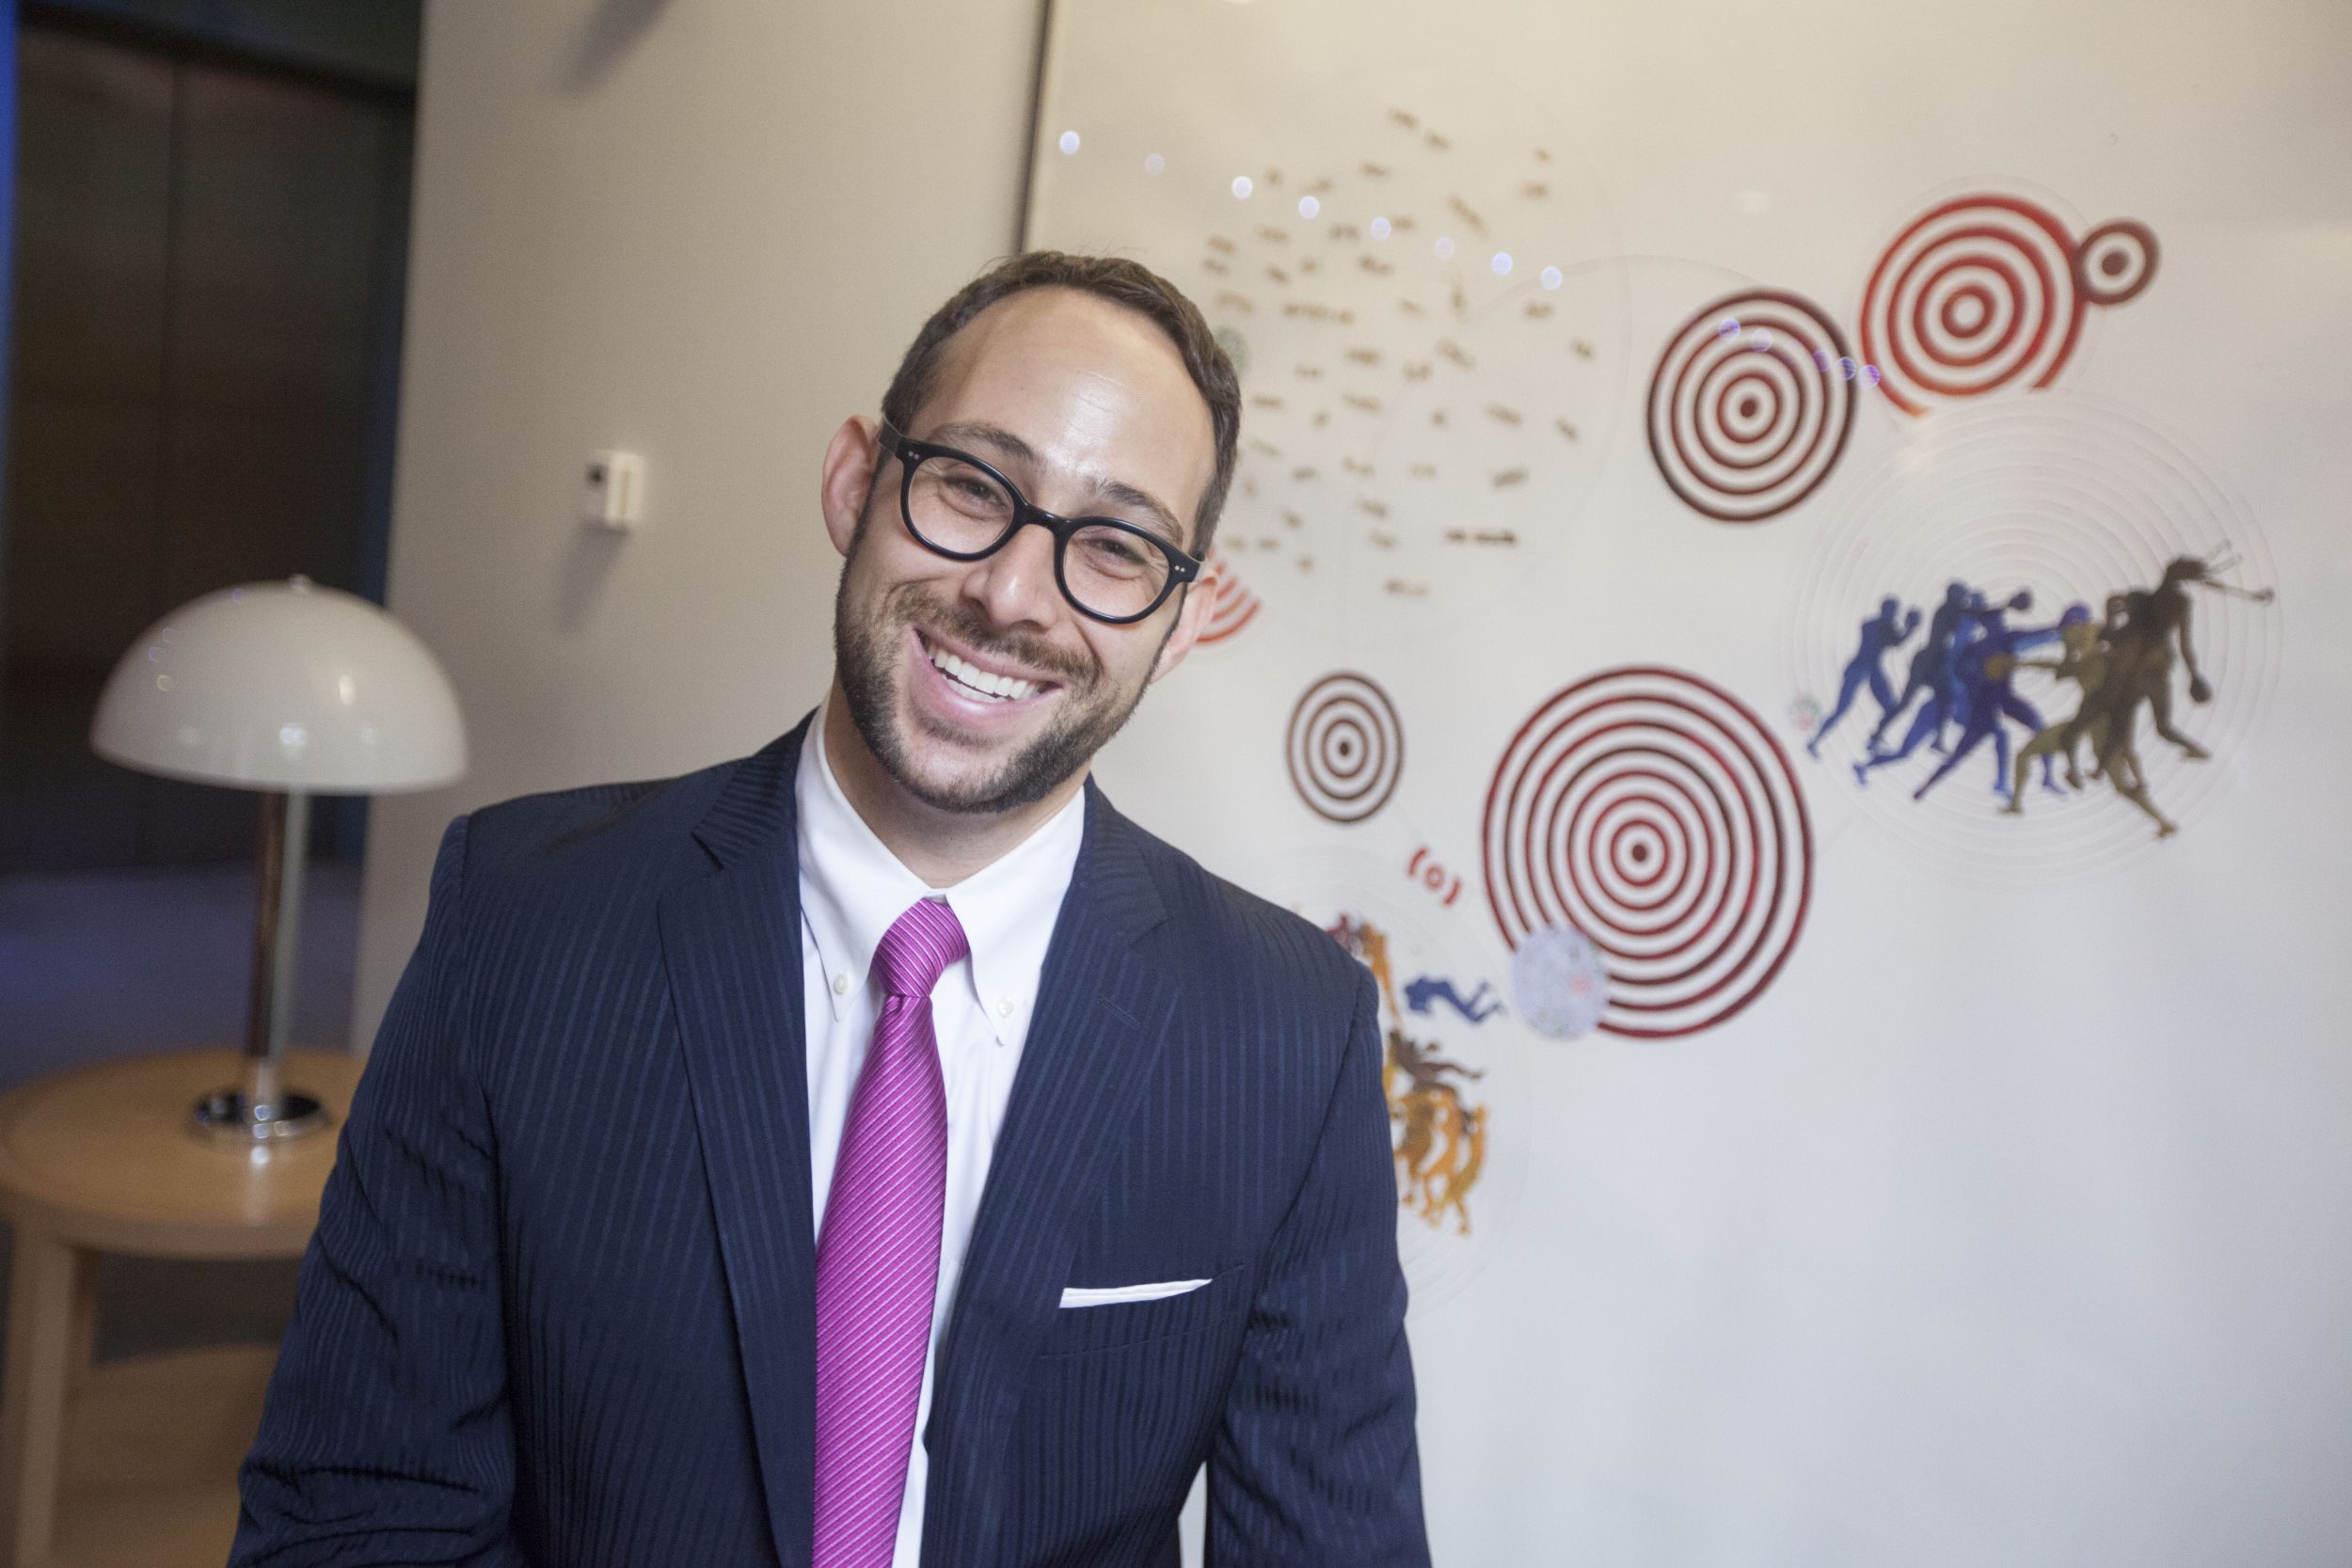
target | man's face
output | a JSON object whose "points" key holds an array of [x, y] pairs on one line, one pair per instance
{"points": [[975, 685]]}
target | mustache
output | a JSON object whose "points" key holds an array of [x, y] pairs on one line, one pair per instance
{"points": [[960, 620]]}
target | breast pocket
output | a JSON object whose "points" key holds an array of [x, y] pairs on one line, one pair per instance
{"points": [[1088, 1326]]}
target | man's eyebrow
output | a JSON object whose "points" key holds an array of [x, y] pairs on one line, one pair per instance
{"points": [[1118, 492], [964, 430], [1155, 517]]}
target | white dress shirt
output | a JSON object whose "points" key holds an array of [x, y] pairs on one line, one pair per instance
{"points": [[852, 889]]}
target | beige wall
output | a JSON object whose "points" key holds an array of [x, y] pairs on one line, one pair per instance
{"points": [[703, 231]]}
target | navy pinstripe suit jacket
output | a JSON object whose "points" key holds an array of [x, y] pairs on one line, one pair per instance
{"points": [[559, 1305]]}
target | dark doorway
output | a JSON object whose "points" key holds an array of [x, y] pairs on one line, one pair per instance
{"points": [[208, 255]]}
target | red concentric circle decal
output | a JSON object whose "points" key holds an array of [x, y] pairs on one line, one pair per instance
{"points": [[1232, 607], [1977, 293], [1750, 405], [1655, 813], [2114, 262], [1346, 748]]}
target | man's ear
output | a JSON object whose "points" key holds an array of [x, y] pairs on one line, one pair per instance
{"points": [[849, 478], [1199, 598]]}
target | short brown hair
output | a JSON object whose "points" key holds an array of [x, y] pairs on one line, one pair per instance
{"points": [[1121, 282]]}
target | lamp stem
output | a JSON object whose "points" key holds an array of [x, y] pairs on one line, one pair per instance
{"points": [[285, 839], [262, 1109]]}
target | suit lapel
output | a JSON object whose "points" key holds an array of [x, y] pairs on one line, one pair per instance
{"points": [[1103, 1010], [731, 941]]}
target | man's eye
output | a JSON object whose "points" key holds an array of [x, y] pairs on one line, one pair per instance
{"points": [[1115, 549]]}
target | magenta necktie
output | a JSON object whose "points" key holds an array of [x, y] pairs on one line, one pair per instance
{"points": [[878, 1256]]}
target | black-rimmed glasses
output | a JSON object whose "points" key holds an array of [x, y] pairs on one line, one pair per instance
{"points": [[957, 506]]}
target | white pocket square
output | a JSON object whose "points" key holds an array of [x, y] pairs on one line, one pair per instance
{"points": [[1114, 1295]]}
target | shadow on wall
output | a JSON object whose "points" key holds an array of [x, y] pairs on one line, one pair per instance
{"points": [[587, 569], [611, 32]]}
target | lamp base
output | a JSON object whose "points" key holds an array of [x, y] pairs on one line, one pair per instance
{"points": [[227, 1116]]}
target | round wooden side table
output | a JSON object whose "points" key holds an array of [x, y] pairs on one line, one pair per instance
{"points": [[136, 1463]]}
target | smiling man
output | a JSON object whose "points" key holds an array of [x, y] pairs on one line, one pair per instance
{"points": [[876, 1149]]}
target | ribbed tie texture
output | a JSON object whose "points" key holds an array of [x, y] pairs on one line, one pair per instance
{"points": [[877, 1255]]}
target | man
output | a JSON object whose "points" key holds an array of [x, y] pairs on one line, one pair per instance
{"points": [[1880, 634], [877, 1148], [1984, 665], [1931, 672]]}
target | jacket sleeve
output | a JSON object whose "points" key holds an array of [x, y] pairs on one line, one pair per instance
{"points": [[385, 1437], [1315, 1461]]}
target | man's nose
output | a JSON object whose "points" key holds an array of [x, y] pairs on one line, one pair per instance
{"points": [[1016, 585]]}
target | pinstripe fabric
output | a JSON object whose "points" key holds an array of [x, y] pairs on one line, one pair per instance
{"points": [[560, 1307], [878, 1259]]}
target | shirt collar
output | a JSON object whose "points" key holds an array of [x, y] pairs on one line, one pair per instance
{"points": [[853, 889]]}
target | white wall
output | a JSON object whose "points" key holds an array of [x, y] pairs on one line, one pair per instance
{"points": [[703, 232], [2008, 1225]]}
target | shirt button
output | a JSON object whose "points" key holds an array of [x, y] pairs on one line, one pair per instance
{"points": [[1004, 1009], [841, 984]]}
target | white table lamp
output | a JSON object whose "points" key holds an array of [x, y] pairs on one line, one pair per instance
{"points": [[295, 690]]}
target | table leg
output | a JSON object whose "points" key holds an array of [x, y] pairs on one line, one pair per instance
{"points": [[48, 1274], [82, 1341]]}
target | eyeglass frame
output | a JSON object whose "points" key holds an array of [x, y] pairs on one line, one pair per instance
{"points": [[1183, 569]]}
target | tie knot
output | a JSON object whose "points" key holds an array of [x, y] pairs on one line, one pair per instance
{"points": [[918, 947]]}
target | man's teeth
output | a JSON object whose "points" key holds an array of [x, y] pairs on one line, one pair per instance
{"points": [[978, 678]]}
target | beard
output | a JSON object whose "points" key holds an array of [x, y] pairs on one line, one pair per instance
{"points": [[866, 652]]}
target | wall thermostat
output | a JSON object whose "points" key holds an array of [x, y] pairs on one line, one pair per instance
{"points": [[615, 489]]}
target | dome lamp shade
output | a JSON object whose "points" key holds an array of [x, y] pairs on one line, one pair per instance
{"points": [[284, 686], [291, 689]]}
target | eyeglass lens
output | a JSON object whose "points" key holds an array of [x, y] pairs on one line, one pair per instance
{"points": [[1108, 571]]}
